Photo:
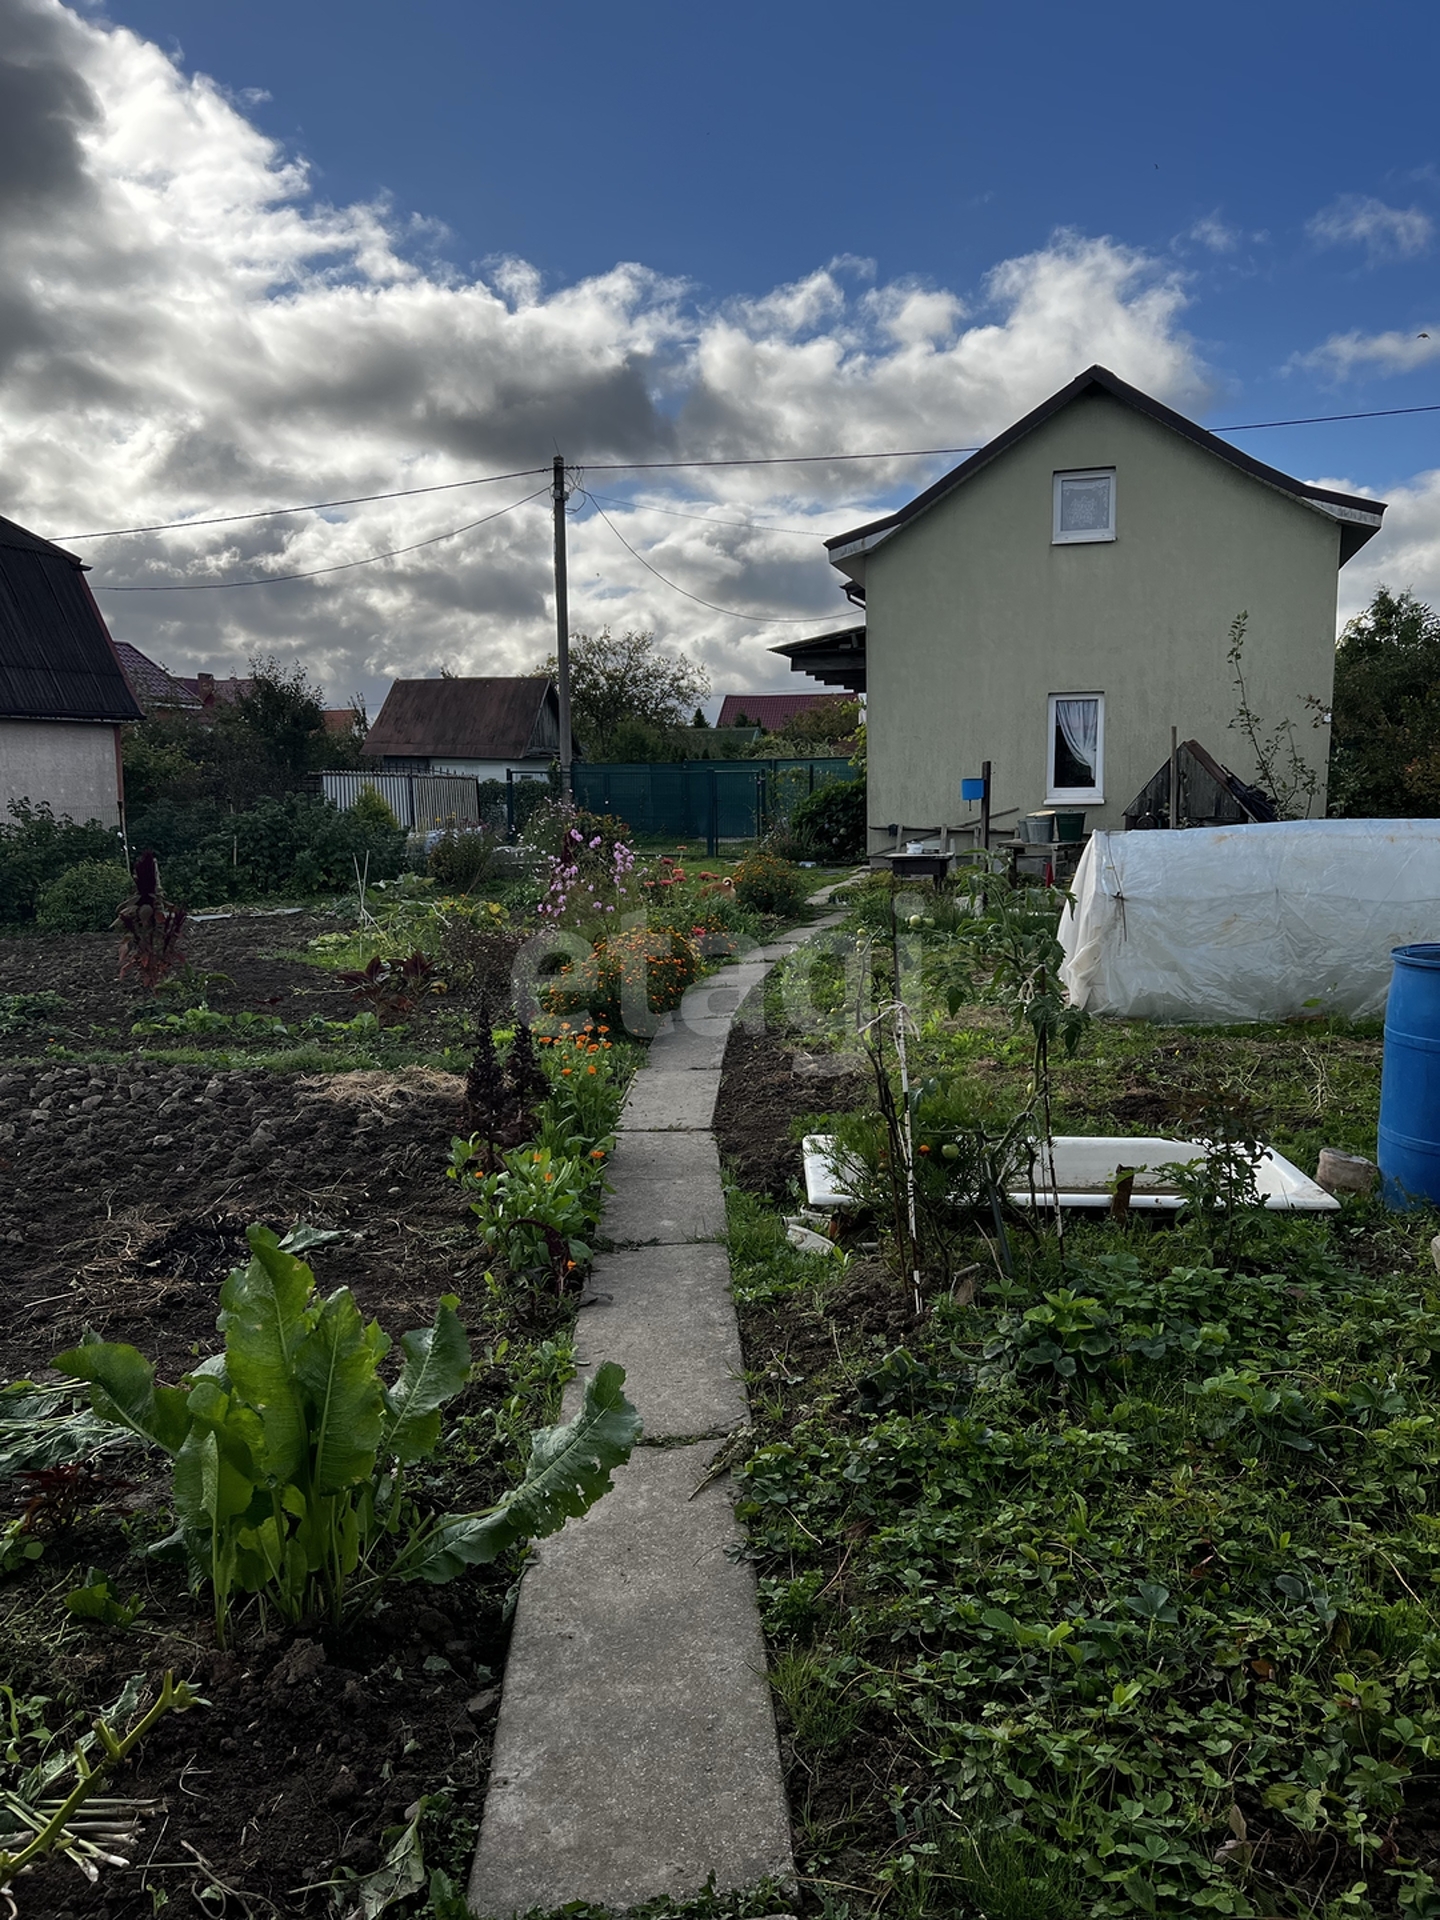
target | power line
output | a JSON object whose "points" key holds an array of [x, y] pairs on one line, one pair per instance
{"points": [[705, 519], [927, 453], [642, 466], [275, 579], [1319, 419], [314, 506], [762, 619]]}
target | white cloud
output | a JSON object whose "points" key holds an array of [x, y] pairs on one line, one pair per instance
{"points": [[1386, 233], [1405, 552], [1213, 233], [186, 329], [1346, 353]]}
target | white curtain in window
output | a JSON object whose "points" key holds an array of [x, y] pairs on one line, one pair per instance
{"points": [[1079, 721], [1085, 505]]}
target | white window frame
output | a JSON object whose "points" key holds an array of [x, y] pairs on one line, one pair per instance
{"points": [[1088, 535], [1067, 796]]}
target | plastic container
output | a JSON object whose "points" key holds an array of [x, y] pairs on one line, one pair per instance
{"points": [[1069, 824], [1037, 829], [1409, 1152]]}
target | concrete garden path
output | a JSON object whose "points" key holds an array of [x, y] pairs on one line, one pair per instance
{"points": [[635, 1753]]}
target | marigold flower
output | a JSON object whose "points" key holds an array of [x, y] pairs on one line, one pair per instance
{"points": [[565, 1070], [588, 1070]]}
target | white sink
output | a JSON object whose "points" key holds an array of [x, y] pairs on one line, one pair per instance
{"points": [[1085, 1167]]}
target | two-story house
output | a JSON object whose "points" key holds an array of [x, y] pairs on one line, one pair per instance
{"points": [[1062, 599]]}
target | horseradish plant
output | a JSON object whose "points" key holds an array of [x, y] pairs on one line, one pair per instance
{"points": [[291, 1450]]}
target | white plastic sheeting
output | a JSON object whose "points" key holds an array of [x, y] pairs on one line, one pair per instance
{"points": [[1249, 923]]}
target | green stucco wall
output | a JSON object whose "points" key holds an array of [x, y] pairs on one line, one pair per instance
{"points": [[974, 618]]}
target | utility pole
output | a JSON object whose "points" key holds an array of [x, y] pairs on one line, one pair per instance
{"points": [[562, 626]]}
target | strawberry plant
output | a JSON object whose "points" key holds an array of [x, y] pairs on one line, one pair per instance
{"points": [[290, 1449]]}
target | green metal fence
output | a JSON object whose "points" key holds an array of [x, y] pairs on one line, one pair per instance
{"points": [[712, 800]]}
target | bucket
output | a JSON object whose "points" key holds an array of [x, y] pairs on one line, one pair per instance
{"points": [[1069, 825], [1409, 1153], [1036, 829]]}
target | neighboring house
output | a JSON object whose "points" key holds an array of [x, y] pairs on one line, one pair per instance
{"points": [[1062, 599], [772, 711], [200, 698], [488, 728], [212, 693], [63, 694], [154, 686]]}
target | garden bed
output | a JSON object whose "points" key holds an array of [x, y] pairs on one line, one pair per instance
{"points": [[126, 1186], [1104, 1585]]}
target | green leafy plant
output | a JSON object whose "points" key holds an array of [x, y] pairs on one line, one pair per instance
{"points": [[21, 1010], [463, 858], [831, 822], [534, 1210], [18, 1546], [95, 1599], [290, 1450], [84, 899]]}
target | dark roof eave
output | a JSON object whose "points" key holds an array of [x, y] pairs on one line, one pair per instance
{"points": [[1359, 519]]}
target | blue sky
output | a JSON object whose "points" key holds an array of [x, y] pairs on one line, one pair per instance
{"points": [[847, 229]]}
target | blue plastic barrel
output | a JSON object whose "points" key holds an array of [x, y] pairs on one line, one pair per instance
{"points": [[1410, 1081]]}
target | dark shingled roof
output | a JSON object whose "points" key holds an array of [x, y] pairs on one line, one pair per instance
{"points": [[57, 661], [773, 710], [492, 719], [152, 685], [1359, 518]]}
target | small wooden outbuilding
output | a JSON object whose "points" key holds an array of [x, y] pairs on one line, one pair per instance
{"points": [[1209, 795]]}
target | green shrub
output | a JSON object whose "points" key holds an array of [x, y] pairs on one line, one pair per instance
{"points": [[830, 823], [84, 900], [372, 809], [768, 885], [462, 859], [38, 848]]}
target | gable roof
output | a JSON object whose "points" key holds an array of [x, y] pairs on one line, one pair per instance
{"points": [[483, 719], [1359, 519], [151, 684], [773, 710], [57, 660]]}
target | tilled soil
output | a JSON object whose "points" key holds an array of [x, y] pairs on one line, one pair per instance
{"points": [[125, 1191], [761, 1098], [242, 965]]}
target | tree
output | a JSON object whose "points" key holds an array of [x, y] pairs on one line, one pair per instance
{"points": [[699, 720], [283, 712], [628, 677], [1385, 742], [814, 732]]}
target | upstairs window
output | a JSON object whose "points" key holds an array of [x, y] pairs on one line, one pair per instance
{"points": [[1084, 506], [1075, 767]]}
